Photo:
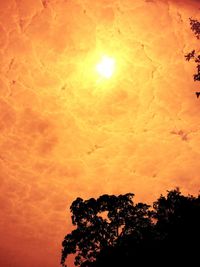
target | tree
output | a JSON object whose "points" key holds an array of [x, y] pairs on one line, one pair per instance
{"points": [[178, 225], [101, 225], [195, 27], [113, 231], [172, 240]]}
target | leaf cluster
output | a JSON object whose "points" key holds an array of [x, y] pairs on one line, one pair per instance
{"points": [[195, 27]]}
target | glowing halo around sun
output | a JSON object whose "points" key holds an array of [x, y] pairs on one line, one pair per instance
{"points": [[106, 67]]}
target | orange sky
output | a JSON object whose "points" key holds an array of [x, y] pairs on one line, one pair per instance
{"points": [[66, 133]]}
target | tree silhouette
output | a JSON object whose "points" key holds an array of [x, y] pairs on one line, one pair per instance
{"points": [[195, 27], [102, 224], [178, 227], [113, 231]]}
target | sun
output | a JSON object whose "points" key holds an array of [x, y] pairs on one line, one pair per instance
{"points": [[106, 67]]}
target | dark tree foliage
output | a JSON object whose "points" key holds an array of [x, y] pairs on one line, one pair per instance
{"points": [[113, 231], [195, 27], [101, 224]]}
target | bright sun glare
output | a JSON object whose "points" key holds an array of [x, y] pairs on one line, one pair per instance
{"points": [[106, 67]]}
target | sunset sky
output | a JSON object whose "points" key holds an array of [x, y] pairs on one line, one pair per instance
{"points": [[68, 131]]}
